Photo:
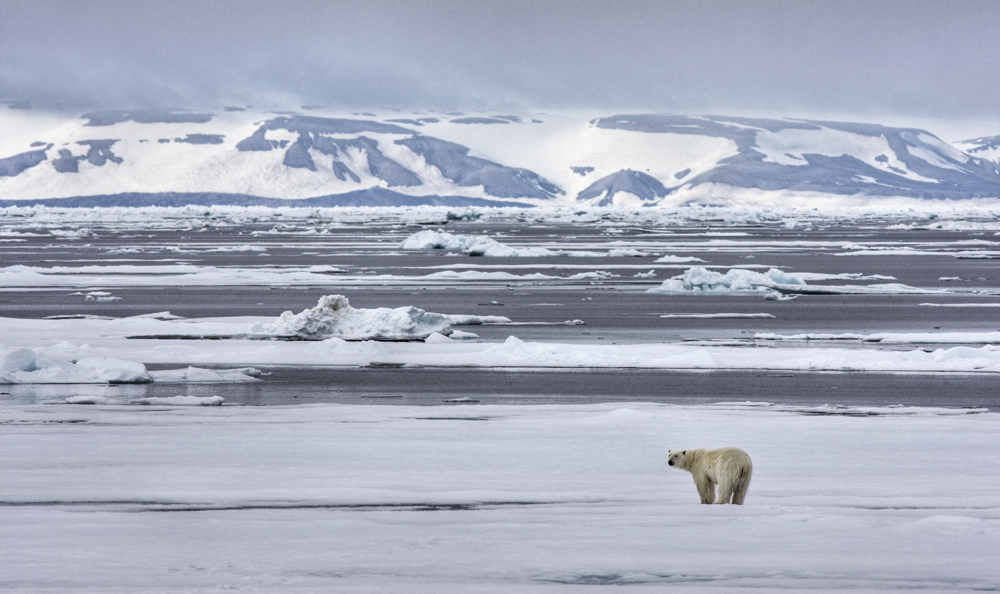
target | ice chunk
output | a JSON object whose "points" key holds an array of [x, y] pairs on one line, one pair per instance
{"points": [[333, 316], [160, 315], [460, 335], [198, 374], [25, 366], [701, 280], [114, 371], [182, 400], [480, 245], [706, 316], [86, 400], [437, 338], [20, 359], [594, 275], [678, 259], [101, 297], [470, 320], [626, 252]]}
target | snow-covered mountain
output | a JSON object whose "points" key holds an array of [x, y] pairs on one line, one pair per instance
{"points": [[986, 147], [237, 155]]}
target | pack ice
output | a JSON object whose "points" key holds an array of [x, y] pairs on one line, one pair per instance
{"points": [[333, 317]]}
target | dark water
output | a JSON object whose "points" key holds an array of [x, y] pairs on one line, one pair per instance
{"points": [[436, 386]]}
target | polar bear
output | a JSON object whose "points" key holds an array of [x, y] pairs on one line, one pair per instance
{"points": [[730, 468]]}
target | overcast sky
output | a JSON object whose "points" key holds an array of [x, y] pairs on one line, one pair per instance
{"points": [[868, 59]]}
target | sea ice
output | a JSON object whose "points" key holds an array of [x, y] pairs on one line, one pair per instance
{"points": [[333, 316], [701, 280], [181, 400], [22, 365], [737, 280], [480, 245], [25, 366], [466, 497], [678, 259]]}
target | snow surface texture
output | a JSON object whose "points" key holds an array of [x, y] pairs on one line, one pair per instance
{"points": [[333, 317], [492, 499], [252, 157]]}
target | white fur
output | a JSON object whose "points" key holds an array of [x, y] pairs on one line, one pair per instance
{"points": [[730, 468]]}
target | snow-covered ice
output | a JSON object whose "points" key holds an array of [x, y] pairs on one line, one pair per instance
{"points": [[20, 365], [895, 337], [480, 245], [333, 316], [682, 316], [469, 498], [466, 497], [703, 281], [181, 400], [108, 340]]}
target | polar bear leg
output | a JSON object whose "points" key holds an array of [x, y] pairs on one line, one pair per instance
{"points": [[706, 490], [725, 493], [740, 492]]}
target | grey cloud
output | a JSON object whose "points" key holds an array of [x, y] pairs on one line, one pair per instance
{"points": [[917, 57]]}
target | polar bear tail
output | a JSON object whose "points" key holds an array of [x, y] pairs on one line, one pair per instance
{"points": [[734, 477]]}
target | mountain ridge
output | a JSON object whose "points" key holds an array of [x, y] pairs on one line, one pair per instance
{"points": [[629, 159]]}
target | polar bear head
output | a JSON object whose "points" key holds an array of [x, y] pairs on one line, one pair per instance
{"points": [[677, 458]]}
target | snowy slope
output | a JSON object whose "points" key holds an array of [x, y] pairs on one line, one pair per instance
{"points": [[247, 156], [986, 147], [820, 158]]}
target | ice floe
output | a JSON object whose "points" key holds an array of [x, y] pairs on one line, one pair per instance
{"points": [[575, 497], [333, 317], [480, 245], [25, 366], [107, 345], [101, 297], [678, 259], [483, 245], [960, 304], [988, 338], [703, 281], [681, 316], [181, 400], [198, 374], [20, 365]]}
